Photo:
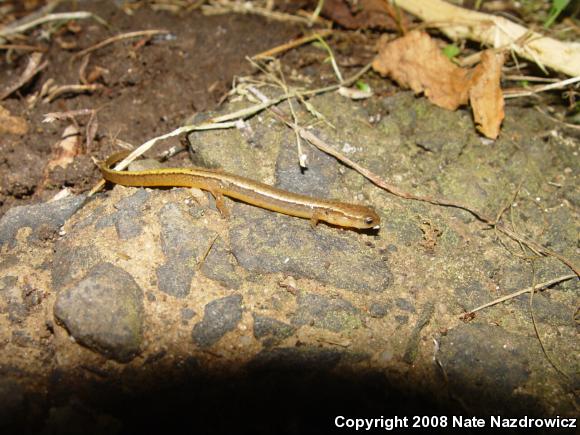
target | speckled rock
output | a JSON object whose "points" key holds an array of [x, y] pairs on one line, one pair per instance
{"points": [[104, 312], [220, 316], [334, 314], [295, 359], [44, 219], [265, 242], [488, 357], [182, 243], [12, 402]]}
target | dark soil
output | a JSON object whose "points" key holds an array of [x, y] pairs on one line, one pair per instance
{"points": [[151, 86]]}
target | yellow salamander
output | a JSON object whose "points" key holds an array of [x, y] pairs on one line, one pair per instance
{"points": [[221, 184]]}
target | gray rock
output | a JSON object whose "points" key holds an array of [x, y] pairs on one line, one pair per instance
{"points": [[271, 331], [219, 265], [220, 316], [322, 312], [104, 312], [182, 243], [44, 219], [484, 363], [315, 181], [266, 242]]}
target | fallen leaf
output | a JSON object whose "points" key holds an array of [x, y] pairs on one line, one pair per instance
{"points": [[485, 95], [416, 61], [12, 124], [366, 14]]}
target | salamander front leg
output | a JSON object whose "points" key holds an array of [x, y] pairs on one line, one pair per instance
{"points": [[220, 204], [314, 220]]}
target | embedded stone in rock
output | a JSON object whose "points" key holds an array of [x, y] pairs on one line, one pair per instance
{"points": [[220, 316], [127, 217], [44, 219], [128, 222], [266, 242], [270, 330], [182, 243], [328, 313], [219, 265], [104, 312]]}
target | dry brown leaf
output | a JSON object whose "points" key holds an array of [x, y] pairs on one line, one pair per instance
{"points": [[485, 95], [416, 61], [12, 124], [66, 149]]}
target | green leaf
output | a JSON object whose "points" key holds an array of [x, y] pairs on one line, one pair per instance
{"points": [[451, 51]]}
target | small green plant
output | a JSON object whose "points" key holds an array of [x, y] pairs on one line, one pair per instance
{"points": [[557, 7], [451, 50]]}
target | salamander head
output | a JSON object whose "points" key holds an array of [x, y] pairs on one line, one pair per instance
{"points": [[352, 216]]}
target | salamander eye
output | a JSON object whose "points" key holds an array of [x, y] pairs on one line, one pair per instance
{"points": [[369, 220]]}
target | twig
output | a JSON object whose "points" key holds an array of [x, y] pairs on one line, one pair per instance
{"points": [[64, 16], [33, 67], [22, 47], [565, 124], [292, 44], [495, 31], [116, 38], [227, 7], [72, 89], [536, 287], [536, 90]]}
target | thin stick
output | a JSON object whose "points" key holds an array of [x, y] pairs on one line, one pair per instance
{"points": [[539, 286], [22, 47], [120, 37], [273, 52]]}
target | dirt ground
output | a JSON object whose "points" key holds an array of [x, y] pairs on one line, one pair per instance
{"points": [[374, 318]]}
